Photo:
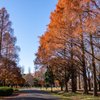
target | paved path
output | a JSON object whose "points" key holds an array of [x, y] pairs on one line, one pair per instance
{"points": [[31, 94]]}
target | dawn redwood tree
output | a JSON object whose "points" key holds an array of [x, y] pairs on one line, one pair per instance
{"points": [[5, 26], [90, 16], [92, 27], [69, 36], [57, 66], [8, 49]]}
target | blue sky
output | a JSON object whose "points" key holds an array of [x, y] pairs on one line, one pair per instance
{"points": [[29, 19]]}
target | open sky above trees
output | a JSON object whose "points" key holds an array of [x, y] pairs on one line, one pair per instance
{"points": [[29, 19]]}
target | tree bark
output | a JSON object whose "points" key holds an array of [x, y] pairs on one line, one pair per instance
{"points": [[4, 82], [94, 69], [61, 86], [66, 89], [79, 85], [51, 87], [73, 79], [89, 81], [46, 87], [16, 85], [85, 91], [72, 68], [99, 85], [75, 83], [89, 84]]}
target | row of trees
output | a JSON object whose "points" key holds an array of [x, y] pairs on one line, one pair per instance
{"points": [[9, 71], [71, 44]]}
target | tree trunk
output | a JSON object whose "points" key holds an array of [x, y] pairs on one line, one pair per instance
{"points": [[79, 85], [66, 89], [12, 85], [89, 84], [61, 86], [99, 85], [46, 87], [72, 68], [89, 81], [51, 87], [94, 69], [75, 83], [16, 85], [85, 91], [93, 61], [73, 79], [4, 82]]}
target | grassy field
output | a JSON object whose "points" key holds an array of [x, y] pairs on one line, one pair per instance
{"points": [[72, 96]]}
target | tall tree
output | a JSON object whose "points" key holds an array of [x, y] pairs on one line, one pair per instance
{"points": [[49, 78], [8, 49]]}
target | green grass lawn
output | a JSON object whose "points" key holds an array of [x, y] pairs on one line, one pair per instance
{"points": [[15, 89], [72, 96]]}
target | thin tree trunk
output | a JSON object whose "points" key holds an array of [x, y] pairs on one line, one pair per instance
{"points": [[75, 83], [94, 69], [16, 85], [73, 79], [4, 82], [89, 81], [93, 61], [85, 82], [72, 68], [89, 84], [51, 87], [61, 86], [79, 82], [99, 85], [46, 87], [66, 89], [85, 91]]}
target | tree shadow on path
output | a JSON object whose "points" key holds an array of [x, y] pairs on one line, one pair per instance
{"points": [[30, 95]]}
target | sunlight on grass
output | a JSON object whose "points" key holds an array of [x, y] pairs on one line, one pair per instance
{"points": [[71, 96]]}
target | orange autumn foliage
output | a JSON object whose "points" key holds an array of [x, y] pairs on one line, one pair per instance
{"points": [[71, 25]]}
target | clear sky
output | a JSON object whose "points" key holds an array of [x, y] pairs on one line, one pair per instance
{"points": [[29, 19]]}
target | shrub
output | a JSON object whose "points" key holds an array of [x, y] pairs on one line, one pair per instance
{"points": [[6, 91]]}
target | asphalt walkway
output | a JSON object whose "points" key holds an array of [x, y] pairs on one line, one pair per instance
{"points": [[31, 94]]}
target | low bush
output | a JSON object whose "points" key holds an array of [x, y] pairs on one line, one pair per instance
{"points": [[6, 91]]}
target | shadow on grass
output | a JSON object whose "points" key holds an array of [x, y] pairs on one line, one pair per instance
{"points": [[77, 95]]}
